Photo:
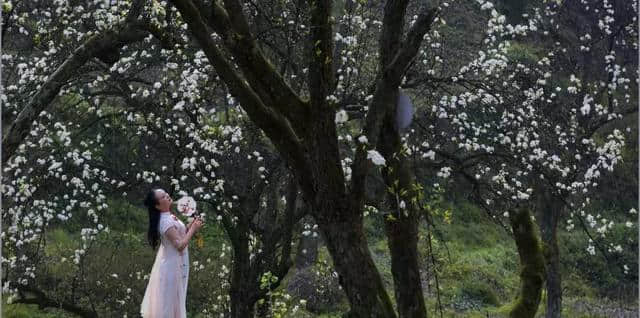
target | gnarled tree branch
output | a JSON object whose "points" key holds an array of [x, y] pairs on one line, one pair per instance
{"points": [[321, 59], [386, 92], [273, 123], [109, 40], [231, 24]]}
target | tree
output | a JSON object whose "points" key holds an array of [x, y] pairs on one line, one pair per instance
{"points": [[115, 130], [311, 149], [321, 81], [94, 46], [539, 116]]}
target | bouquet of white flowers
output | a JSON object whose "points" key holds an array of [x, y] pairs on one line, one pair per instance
{"points": [[187, 207]]}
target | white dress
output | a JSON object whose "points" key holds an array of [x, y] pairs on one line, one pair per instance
{"points": [[166, 292]]}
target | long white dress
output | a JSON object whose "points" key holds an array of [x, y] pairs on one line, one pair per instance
{"points": [[166, 292]]}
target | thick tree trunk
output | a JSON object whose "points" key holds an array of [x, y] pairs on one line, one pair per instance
{"points": [[549, 213], [402, 237], [305, 132], [402, 229], [339, 219], [552, 263], [240, 307], [531, 263], [242, 300], [243, 284], [358, 274]]}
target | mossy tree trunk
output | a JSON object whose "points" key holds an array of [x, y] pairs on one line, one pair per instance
{"points": [[532, 272]]}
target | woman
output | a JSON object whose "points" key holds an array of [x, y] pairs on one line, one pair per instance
{"points": [[166, 292]]}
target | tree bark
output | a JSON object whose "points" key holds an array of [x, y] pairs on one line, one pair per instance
{"points": [[402, 237], [402, 227], [552, 263], [531, 263], [358, 274], [241, 307], [339, 218], [550, 209], [242, 280]]}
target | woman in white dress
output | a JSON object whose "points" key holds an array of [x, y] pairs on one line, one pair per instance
{"points": [[166, 292]]}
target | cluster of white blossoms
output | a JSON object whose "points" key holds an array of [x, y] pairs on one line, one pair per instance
{"points": [[516, 123], [169, 96], [61, 172]]}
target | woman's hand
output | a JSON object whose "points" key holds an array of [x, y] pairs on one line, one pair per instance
{"points": [[196, 224]]}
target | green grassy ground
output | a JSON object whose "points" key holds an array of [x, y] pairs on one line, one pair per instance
{"points": [[477, 268]]}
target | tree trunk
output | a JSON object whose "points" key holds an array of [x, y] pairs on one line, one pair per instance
{"points": [[240, 307], [552, 263], [358, 274], [242, 302], [339, 219], [402, 228], [550, 209], [402, 237], [242, 283], [531, 263], [304, 133]]}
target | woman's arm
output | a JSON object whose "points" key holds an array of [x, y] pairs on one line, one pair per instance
{"points": [[179, 241]]}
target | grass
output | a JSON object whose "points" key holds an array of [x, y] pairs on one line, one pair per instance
{"points": [[30, 311], [475, 261]]}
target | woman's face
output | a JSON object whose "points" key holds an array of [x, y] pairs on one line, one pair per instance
{"points": [[164, 200]]}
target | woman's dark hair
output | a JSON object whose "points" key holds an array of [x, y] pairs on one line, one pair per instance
{"points": [[154, 218]]}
